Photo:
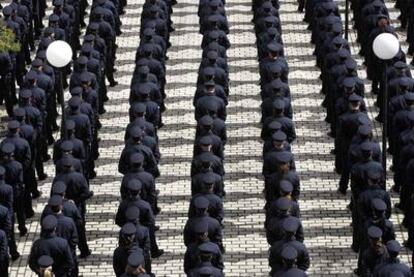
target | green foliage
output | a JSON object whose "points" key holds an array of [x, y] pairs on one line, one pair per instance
{"points": [[8, 41]]}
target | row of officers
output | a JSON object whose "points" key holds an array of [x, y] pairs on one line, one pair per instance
{"points": [[25, 147], [288, 255], [358, 154], [138, 162]]}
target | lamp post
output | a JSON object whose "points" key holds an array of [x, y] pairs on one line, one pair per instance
{"points": [[386, 46], [59, 55], [346, 19]]}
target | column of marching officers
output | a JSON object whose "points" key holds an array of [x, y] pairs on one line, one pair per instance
{"points": [[288, 256], [32, 123], [203, 235], [358, 156]]}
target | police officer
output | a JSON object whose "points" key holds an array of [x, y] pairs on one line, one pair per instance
{"points": [[135, 266], [392, 264], [289, 256], [52, 245], [206, 156], [4, 254], [45, 264]]}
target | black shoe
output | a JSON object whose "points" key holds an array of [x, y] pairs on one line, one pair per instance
{"points": [[112, 84], [29, 214], [102, 111], [395, 188], [42, 177], [157, 210], [92, 174], [105, 98], [15, 256], [23, 232], [355, 248], [50, 141], [46, 158], [36, 194], [83, 255], [157, 254], [341, 191], [156, 228]]}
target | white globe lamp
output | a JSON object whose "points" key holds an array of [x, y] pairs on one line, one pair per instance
{"points": [[386, 46], [59, 53]]}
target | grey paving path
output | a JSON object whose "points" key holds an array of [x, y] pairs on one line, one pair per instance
{"points": [[326, 220]]}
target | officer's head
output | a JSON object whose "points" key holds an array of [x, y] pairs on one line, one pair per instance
{"points": [[136, 160], [132, 214], [55, 203], [382, 22], [365, 131], [70, 127], [144, 92], [31, 77], [66, 147], [86, 50], [93, 28], [349, 86], [210, 86], [127, 235], [278, 139], [212, 56], [283, 159], [205, 252], [136, 135], [205, 164], [67, 163], [149, 33], [375, 235], [274, 49], [37, 65], [208, 73], [354, 102], [278, 107], [274, 126], [289, 255], [205, 271], [208, 182], [74, 104], [134, 187], [400, 68], [378, 208], [135, 263], [409, 99], [276, 84], [271, 21], [49, 224], [53, 21], [154, 11], [201, 231], [97, 13], [212, 21], [58, 3], [58, 188], [283, 206], [366, 150], [205, 123], [143, 71], [13, 126], [45, 264], [290, 227], [201, 204], [205, 143], [393, 248], [285, 189], [7, 151], [374, 176], [81, 62]]}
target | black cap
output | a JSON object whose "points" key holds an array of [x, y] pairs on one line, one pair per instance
{"points": [[409, 96], [283, 156], [279, 104], [49, 223], [74, 102], [349, 83], [85, 77], [400, 65], [45, 261], [139, 108], [25, 93], [19, 112], [132, 213], [344, 53], [354, 98], [374, 174], [144, 69], [67, 161], [366, 146], [209, 82], [58, 188], [274, 125], [7, 10], [55, 200], [66, 146], [364, 130], [136, 158], [393, 246], [37, 63], [31, 75], [149, 32], [209, 71], [206, 120], [89, 38], [2, 171], [208, 179], [76, 91], [136, 259], [201, 202], [7, 148], [285, 186], [289, 253], [144, 90], [128, 229], [206, 248], [283, 204], [378, 205], [350, 64], [53, 18], [57, 2], [374, 232], [136, 132], [70, 124], [290, 225], [212, 55], [274, 47], [13, 125], [134, 185], [279, 136], [205, 140]]}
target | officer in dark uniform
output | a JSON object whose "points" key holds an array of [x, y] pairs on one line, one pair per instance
{"points": [[290, 227], [375, 255], [203, 244], [45, 264], [136, 146], [289, 256], [52, 245], [216, 125], [201, 216], [135, 266], [6, 200], [200, 180], [142, 236], [205, 266], [392, 265], [127, 246], [147, 217], [284, 190], [14, 177], [7, 88], [4, 254], [206, 156], [137, 115], [137, 172], [69, 209]]}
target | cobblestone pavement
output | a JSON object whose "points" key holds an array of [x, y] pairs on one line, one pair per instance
{"points": [[325, 217]]}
